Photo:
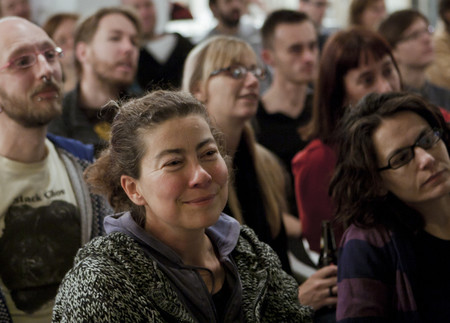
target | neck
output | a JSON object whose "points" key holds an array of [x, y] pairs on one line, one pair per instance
{"points": [[436, 215], [285, 97], [94, 93], [413, 77], [227, 30], [195, 249], [25, 145]]}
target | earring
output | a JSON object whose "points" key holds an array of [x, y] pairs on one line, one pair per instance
{"points": [[45, 79]]}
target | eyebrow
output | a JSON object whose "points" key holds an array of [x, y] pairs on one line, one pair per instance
{"points": [[181, 150], [421, 134], [30, 48]]}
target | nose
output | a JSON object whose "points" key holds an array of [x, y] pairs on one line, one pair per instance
{"points": [[45, 68], [424, 158], [383, 85], [251, 80], [199, 177]]}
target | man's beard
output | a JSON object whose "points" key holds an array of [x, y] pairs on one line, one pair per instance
{"points": [[100, 71], [230, 22], [29, 114]]}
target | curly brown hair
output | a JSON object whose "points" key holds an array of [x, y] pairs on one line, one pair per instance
{"points": [[356, 186]]}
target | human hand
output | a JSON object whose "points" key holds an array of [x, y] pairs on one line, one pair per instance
{"points": [[316, 290]]}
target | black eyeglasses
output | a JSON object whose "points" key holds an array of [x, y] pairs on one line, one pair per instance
{"points": [[405, 155], [27, 60], [239, 72]]}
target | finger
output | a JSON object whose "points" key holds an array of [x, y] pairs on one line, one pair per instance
{"points": [[326, 271]]}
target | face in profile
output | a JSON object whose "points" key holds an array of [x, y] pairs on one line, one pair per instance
{"points": [[183, 181], [229, 12], [232, 92], [64, 38], [113, 52], [371, 76], [294, 52], [415, 48], [423, 178], [146, 12], [373, 14]]}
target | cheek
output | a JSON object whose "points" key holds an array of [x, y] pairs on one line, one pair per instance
{"points": [[220, 173]]}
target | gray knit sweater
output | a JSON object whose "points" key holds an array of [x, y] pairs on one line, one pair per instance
{"points": [[114, 281]]}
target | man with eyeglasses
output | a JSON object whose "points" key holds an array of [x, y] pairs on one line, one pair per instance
{"points": [[46, 210], [107, 53], [410, 36]]}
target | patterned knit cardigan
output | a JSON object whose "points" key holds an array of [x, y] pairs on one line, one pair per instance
{"points": [[114, 281]]}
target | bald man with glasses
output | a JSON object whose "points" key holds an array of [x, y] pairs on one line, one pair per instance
{"points": [[46, 210]]}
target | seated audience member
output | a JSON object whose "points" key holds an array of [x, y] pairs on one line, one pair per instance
{"points": [[107, 50], [170, 254], [290, 49], [367, 13], [223, 73], [354, 62], [46, 210], [18, 8], [439, 71], [162, 56], [409, 34], [61, 27], [316, 10], [392, 186], [228, 15]]}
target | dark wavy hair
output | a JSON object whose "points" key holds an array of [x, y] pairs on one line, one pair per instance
{"points": [[133, 120], [343, 51], [357, 185]]}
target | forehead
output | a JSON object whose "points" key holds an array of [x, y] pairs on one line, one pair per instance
{"points": [[294, 32], [16, 34], [177, 133], [418, 22], [116, 21], [397, 131]]}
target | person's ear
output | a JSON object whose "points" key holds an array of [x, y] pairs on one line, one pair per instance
{"points": [[131, 187], [199, 92], [267, 56], [81, 51]]}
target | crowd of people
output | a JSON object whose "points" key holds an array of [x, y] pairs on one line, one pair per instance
{"points": [[149, 177]]}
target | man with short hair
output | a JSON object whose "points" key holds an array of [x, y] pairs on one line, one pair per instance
{"points": [[410, 36], [106, 50], [19, 8], [46, 210], [162, 55], [228, 14], [290, 49]]}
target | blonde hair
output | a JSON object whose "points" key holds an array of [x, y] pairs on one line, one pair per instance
{"points": [[219, 52]]}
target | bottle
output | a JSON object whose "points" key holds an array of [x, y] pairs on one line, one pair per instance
{"points": [[328, 252]]}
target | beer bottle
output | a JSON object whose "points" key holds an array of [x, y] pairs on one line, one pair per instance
{"points": [[328, 252]]}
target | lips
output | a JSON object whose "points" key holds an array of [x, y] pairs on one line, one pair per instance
{"points": [[201, 200], [250, 96], [433, 177], [48, 92]]}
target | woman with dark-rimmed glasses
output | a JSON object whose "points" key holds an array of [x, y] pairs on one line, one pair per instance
{"points": [[392, 187]]}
